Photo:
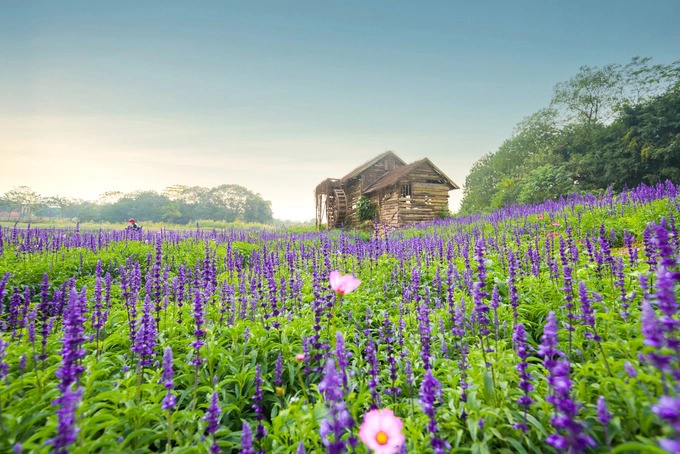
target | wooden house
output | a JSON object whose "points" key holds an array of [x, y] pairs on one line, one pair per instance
{"points": [[399, 193]]}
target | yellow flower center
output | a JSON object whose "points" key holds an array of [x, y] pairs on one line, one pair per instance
{"points": [[381, 438]]}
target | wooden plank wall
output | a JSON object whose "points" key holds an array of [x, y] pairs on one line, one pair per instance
{"points": [[353, 193], [427, 198], [387, 203], [355, 187]]}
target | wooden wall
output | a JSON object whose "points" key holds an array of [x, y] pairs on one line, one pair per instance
{"points": [[425, 203], [387, 203], [354, 187], [428, 197], [353, 193], [377, 170]]}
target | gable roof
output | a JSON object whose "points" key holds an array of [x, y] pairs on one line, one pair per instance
{"points": [[365, 166], [395, 175]]}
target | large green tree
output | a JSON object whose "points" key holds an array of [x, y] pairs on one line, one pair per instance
{"points": [[610, 126]]}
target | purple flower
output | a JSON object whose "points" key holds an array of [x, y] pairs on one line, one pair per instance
{"points": [[513, 265], [4, 367], [199, 332], [169, 400], [338, 420], [628, 240], [66, 420], [587, 312], [74, 335], [519, 339], [425, 331], [278, 370], [672, 446], [481, 309], [145, 341], [3, 284], [246, 439], [31, 325], [660, 330], [430, 398], [331, 384], [212, 416], [261, 432], [300, 449], [22, 363], [97, 317], [603, 414], [668, 409], [569, 434], [547, 348], [372, 359]]}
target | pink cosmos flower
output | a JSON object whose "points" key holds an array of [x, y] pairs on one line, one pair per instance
{"points": [[381, 431], [555, 224], [300, 357], [540, 216], [342, 285]]}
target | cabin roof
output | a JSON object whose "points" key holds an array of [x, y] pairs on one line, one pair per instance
{"points": [[393, 176], [365, 166]]}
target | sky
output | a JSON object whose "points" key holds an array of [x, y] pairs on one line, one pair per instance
{"points": [[278, 95]]}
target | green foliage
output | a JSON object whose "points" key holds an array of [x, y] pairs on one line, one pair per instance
{"points": [[545, 182], [121, 411], [23, 200], [616, 126], [244, 250], [366, 209], [178, 204]]}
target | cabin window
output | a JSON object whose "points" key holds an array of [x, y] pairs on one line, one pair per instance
{"points": [[406, 190]]}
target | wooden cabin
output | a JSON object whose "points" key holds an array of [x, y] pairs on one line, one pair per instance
{"points": [[399, 193]]}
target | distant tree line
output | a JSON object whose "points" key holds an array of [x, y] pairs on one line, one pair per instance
{"points": [[177, 204], [616, 126]]}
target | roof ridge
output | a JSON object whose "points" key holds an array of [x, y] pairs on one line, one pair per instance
{"points": [[393, 176], [369, 163]]}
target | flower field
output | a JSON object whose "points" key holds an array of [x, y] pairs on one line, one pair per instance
{"points": [[542, 328]]}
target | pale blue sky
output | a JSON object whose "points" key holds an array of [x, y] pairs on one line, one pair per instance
{"points": [[277, 96]]}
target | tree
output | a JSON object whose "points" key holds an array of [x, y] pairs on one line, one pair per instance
{"points": [[495, 180], [546, 182], [110, 197], [597, 95], [24, 200], [172, 212], [591, 96], [605, 127], [480, 185], [258, 210]]}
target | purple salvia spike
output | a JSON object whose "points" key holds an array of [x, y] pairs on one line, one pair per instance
{"points": [[338, 420], [260, 432], [430, 399], [519, 340], [169, 401], [246, 439], [212, 417]]}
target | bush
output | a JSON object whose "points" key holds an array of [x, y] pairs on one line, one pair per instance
{"points": [[366, 209]]}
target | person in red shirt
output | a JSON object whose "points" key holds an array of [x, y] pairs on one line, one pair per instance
{"points": [[134, 226]]}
